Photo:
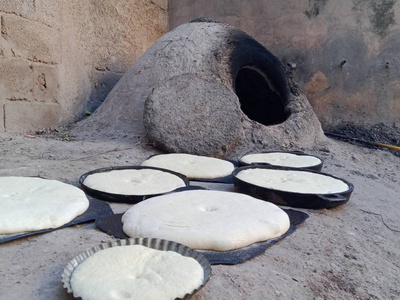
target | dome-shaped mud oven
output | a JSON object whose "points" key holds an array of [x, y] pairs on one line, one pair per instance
{"points": [[205, 88]]}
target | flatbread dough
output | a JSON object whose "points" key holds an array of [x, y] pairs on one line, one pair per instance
{"points": [[293, 181], [134, 182], [209, 220], [30, 204], [192, 166], [282, 159], [136, 272]]}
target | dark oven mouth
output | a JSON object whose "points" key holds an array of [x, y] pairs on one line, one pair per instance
{"points": [[258, 99]]}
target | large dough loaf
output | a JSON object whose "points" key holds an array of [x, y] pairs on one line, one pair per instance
{"points": [[293, 181], [282, 159], [30, 204], [192, 166], [134, 182], [204, 219]]}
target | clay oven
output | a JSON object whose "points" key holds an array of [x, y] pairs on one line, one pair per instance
{"points": [[207, 88]]}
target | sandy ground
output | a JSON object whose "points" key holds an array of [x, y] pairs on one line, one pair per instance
{"points": [[350, 252]]}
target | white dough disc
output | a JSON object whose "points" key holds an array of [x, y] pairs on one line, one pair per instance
{"points": [[192, 166], [209, 220], [134, 182], [293, 181], [30, 204], [136, 272], [281, 159]]}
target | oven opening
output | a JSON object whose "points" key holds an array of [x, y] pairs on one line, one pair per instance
{"points": [[257, 99]]}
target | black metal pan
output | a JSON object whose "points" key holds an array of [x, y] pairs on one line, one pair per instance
{"points": [[293, 199], [119, 197], [112, 225], [317, 167], [96, 209]]}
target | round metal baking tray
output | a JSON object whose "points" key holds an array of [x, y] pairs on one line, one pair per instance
{"points": [[119, 197], [317, 167], [157, 244], [301, 200]]}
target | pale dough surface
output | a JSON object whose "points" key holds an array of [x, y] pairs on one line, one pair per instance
{"points": [[30, 204], [193, 166], [136, 272], [293, 181], [134, 182], [282, 159], [203, 219]]}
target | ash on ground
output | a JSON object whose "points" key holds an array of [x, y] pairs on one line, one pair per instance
{"points": [[378, 133]]}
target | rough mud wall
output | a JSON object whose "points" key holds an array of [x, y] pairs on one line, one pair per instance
{"points": [[316, 37], [60, 58]]}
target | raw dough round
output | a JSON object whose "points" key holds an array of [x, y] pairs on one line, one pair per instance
{"points": [[134, 182], [281, 159], [30, 204], [209, 220], [136, 272], [293, 181], [192, 166]]}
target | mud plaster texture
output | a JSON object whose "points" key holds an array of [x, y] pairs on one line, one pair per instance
{"points": [[181, 95], [350, 252], [316, 36]]}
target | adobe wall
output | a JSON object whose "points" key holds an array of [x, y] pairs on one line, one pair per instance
{"points": [[60, 58], [316, 37]]}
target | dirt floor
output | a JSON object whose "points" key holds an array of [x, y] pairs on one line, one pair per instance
{"points": [[350, 252]]}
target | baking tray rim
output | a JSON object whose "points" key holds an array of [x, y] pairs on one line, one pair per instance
{"points": [[112, 197], [153, 243], [317, 167]]}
